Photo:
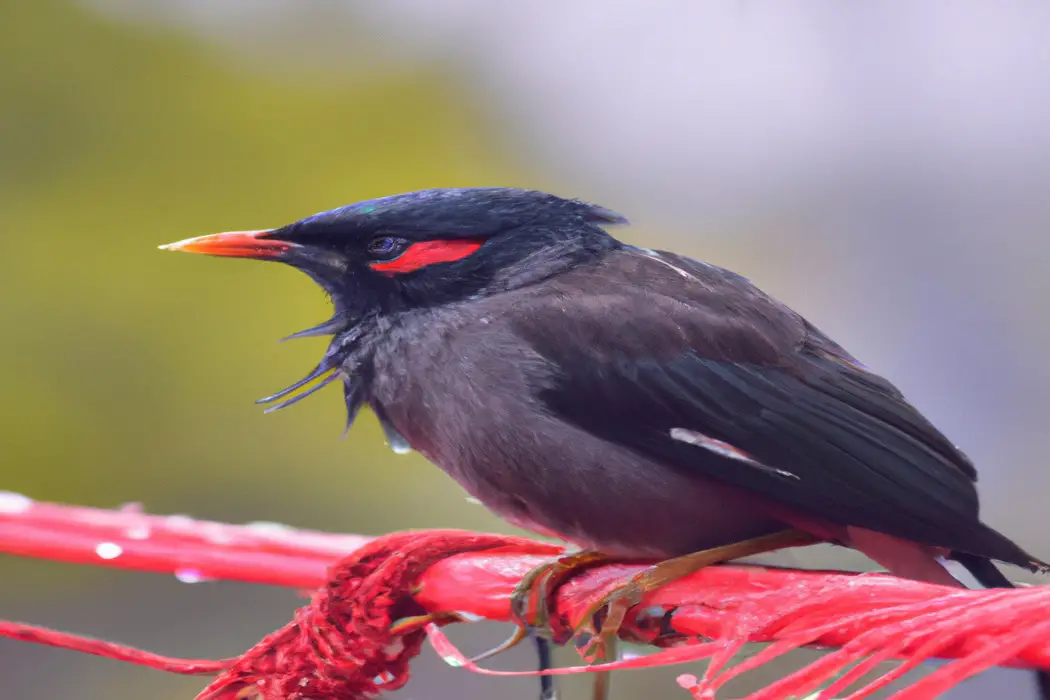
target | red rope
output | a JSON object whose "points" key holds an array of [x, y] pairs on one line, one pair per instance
{"points": [[111, 650], [340, 645]]}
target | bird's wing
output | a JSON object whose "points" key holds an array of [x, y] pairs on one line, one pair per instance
{"points": [[692, 366]]}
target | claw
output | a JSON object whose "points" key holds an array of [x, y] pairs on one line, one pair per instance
{"points": [[529, 604], [521, 633], [407, 625], [540, 582], [543, 651], [599, 643]]}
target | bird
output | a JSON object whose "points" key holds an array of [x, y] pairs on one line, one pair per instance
{"points": [[634, 403]]}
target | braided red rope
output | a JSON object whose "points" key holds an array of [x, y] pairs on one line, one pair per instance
{"points": [[340, 645]]}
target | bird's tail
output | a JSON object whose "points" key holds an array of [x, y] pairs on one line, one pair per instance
{"points": [[985, 544], [989, 576]]}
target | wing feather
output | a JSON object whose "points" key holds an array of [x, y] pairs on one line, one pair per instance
{"points": [[708, 352]]}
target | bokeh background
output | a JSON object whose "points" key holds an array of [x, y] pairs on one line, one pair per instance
{"points": [[883, 167]]}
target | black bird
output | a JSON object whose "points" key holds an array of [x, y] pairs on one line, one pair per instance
{"points": [[633, 402]]}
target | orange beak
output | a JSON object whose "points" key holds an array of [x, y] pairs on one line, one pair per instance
{"points": [[234, 244]]}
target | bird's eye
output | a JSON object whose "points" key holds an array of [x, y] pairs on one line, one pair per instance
{"points": [[386, 247]]}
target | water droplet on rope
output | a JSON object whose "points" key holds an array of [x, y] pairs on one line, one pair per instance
{"points": [[628, 654], [469, 616], [267, 528], [189, 576], [218, 536], [139, 532], [179, 522], [108, 550], [14, 502]]}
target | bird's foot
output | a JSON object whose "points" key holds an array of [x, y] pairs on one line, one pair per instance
{"points": [[533, 619], [529, 603], [599, 626], [596, 633], [530, 607]]}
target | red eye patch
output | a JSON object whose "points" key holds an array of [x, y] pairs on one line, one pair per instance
{"points": [[419, 255]]}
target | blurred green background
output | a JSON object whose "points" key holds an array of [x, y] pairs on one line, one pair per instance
{"points": [[129, 374], [140, 367]]}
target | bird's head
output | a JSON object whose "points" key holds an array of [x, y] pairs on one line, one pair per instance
{"points": [[385, 256]]}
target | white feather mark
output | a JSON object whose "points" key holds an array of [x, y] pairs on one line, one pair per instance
{"points": [[653, 255], [724, 449]]}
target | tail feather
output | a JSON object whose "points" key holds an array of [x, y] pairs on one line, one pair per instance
{"points": [[988, 544]]}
